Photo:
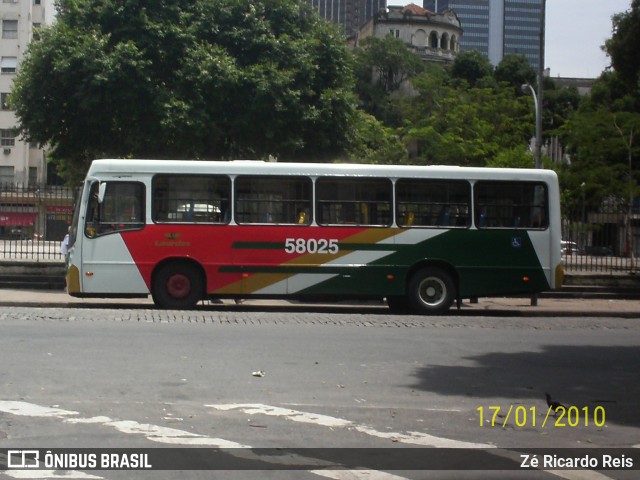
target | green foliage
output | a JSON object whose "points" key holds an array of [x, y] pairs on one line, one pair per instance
{"points": [[382, 65], [516, 71], [186, 79], [374, 143], [464, 126], [471, 67], [622, 47], [603, 135]]}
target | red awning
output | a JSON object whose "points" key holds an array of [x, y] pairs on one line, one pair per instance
{"points": [[17, 219]]}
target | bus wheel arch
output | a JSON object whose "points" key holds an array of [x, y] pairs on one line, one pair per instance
{"points": [[178, 283], [432, 287]]}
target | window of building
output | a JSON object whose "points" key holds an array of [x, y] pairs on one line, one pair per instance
{"points": [[122, 208], [8, 64], [4, 101], [33, 176], [9, 29], [433, 203], [7, 137], [6, 175], [191, 198], [269, 200], [353, 201], [511, 205]]}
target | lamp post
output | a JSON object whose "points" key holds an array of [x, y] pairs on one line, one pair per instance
{"points": [[537, 153]]}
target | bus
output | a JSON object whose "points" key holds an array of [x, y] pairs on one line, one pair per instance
{"points": [[419, 237]]}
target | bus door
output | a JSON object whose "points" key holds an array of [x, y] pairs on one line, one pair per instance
{"points": [[114, 209]]}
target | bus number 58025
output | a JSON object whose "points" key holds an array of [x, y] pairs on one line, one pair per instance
{"points": [[311, 245]]}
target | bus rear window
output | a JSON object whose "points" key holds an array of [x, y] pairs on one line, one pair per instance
{"points": [[191, 199], [511, 205], [433, 203], [353, 201]]}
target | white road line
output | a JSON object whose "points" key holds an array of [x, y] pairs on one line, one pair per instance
{"points": [[155, 433], [413, 438], [48, 474], [356, 475], [172, 436]]}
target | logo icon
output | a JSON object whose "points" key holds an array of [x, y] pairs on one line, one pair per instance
{"points": [[23, 458]]}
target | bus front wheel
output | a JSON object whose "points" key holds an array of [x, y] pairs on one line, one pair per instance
{"points": [[177, 286], [431, 291]]}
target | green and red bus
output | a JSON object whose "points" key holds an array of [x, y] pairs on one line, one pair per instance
{"points": [[420, 237]]}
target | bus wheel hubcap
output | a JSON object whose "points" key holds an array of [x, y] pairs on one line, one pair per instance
{"points": [[432, 291], [178, 286]]}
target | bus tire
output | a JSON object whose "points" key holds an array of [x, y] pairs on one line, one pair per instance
{"points": [[178, 286], [431, 291]]}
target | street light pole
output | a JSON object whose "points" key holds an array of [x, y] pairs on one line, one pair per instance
{"points": [[537, 99], [537, 151]]}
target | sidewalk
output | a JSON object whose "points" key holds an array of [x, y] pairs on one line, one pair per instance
{"points": [[498, 306]]}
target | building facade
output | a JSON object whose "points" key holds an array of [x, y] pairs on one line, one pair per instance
{"points": [[435, 37], [20, 162], [498, 27], [351, 14]]}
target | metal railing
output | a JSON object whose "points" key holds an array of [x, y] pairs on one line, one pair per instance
{"points": [[33, 221]]}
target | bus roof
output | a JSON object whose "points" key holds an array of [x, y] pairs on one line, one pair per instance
{"points": [[128, 167]]}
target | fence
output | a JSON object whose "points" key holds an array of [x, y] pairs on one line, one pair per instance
{"points": [[33, 221], [604, 240]]}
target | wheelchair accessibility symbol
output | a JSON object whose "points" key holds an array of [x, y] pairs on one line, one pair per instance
{"points": [[516, 242]]}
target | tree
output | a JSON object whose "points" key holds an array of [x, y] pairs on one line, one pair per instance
{"points": [[515, 70], [457, 125], [382, 65], [622, 47], [209, 79], [471, 66]]}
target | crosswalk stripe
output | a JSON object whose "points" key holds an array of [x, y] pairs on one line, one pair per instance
{"points": [[414, 438]]}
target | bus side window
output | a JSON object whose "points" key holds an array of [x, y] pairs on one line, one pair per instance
{"points": [[121, 209]]}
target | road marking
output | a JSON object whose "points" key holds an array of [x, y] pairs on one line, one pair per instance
{"points": [[47, 474], [32, 410], [172, 436], [356, 475], [413, 438], [155, 433]]}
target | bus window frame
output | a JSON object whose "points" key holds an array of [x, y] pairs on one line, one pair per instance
{"points": [[406, 220], [224, 210], [515, 224], [94, 224], [318, 202], [303, 216]]}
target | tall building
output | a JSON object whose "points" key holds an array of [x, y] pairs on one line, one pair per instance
{"points": [[497, 27], [20, 162], [351, 14]]}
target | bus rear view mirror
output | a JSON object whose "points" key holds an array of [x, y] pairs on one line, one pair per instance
{"points": [[102, 190]]}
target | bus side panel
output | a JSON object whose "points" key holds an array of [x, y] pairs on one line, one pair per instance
{"points": [[486, 262], [109, 268]]}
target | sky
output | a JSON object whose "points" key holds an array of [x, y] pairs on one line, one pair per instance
{"points": [[575, 31]]}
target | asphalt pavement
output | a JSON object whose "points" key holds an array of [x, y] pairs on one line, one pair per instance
{"points": [[493, 306]]}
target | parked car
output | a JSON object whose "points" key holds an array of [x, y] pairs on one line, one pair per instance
{"points": [[568, 247]]}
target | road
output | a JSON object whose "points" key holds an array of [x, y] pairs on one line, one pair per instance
{"points": [[136, 378]]}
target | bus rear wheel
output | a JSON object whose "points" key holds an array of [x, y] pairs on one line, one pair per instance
{"points": [[431, 291], [178, 286]]}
